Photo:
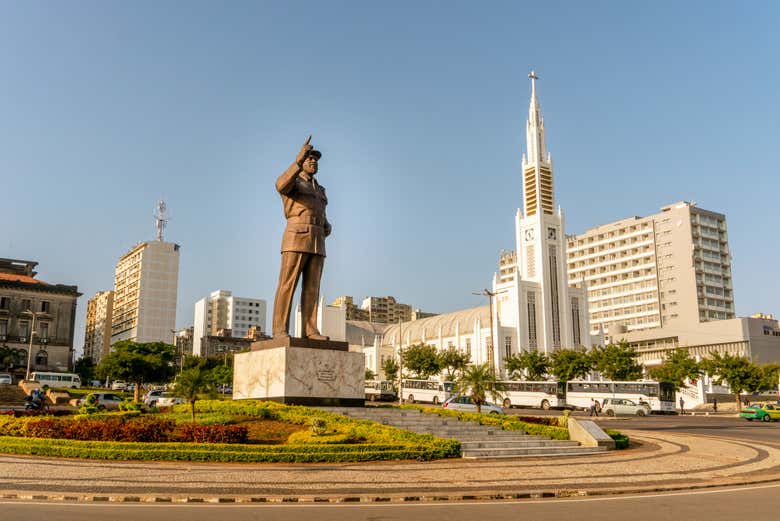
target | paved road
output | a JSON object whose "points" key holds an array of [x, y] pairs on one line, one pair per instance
{"points": [[754, 503]]}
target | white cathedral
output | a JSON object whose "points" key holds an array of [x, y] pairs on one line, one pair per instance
{"points": [[533, 306]]}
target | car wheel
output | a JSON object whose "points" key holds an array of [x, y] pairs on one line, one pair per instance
{"points": [[435, 400], [101, 407], [507, 403], [609, 412], [545, 405], [766, 418], [640, 412], [410, 399], [493, 412], [749, 419]]}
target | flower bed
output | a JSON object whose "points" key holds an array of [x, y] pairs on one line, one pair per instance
{"points": [[337, 438]]}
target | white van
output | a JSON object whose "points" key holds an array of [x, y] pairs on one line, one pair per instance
{"points": [[56, 380]]}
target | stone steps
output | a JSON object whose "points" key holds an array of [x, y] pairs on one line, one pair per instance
{"points": [[477, 441], [11, 395]]}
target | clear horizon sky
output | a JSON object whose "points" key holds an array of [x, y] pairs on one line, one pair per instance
{"points": [[419, 109]]}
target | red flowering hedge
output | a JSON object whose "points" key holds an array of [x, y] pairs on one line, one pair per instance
{"points": [[131, 429]]}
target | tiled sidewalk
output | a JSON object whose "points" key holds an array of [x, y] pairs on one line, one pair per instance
{"points": [[660, 461]]}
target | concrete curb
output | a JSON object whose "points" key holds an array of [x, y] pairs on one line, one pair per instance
{"points": [[425, 497]]}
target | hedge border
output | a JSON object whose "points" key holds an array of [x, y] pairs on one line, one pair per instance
{"points": [[383, 442]]}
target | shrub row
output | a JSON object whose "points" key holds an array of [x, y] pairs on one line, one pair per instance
{"points": [[214, 452], [125, 427], [506, 422]]}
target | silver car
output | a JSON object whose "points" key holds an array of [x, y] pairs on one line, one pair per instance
{"points": [[463, 403], [624, 407], [5, 378], [104, 400]]}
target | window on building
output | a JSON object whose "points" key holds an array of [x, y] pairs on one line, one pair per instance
{"points": [[5, 302], [42, 359], [508, 346], [45, 306], [24, 330], [532, 320], [3, 329], [43, 330], [468, 345], [26, 304]]}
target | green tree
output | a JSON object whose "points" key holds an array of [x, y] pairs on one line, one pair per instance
{"points": [[569, 364], [390, 368], [740, 373], [139, 363], [678, 366], [85, 368], [534, 364], [453, 361], [222, 375], [12, 357], [769, 376], [369, 375], [478, 382], [192, 383], [422, 360], [617, 361]]}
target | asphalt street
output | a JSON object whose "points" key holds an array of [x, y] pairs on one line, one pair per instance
{"points": [[754, 503]]}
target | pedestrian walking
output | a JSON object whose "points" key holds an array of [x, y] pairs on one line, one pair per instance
{"points": [[594, 407], [714, 405], [682, 405]]}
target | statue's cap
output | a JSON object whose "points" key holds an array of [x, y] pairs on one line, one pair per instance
{"points": [[316, 153]]}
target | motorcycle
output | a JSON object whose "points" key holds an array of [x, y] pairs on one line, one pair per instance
{"points": [[35, 402]]}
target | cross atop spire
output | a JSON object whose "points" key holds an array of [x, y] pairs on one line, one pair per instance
{"points": [[533, 77]]}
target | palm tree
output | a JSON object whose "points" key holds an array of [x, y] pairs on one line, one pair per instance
{"points": [[191, 383], [10, 356], [479, 381]]}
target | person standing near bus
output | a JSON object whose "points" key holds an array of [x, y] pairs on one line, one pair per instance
{"points": [[594, 407], [682, 405], [714, 405]]}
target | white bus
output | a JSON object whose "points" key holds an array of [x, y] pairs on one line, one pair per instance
{"points": [[658, 395], [56, 380], [380, 391], [546, 395], [430, 391]]}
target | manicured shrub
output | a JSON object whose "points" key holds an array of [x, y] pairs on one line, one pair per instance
{"points": [[318, 426], [621, 440]]}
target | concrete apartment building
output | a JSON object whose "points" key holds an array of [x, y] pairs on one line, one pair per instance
{"points": [[664, 270], [145, 293], [379, 310], [30, 307], [222, 311], [97, 335]]}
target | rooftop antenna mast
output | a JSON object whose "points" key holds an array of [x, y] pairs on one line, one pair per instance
{"points": [[161, 219]]}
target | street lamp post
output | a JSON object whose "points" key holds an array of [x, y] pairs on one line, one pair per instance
{"points": [[29, 349], [489, 294], [400, 363]]}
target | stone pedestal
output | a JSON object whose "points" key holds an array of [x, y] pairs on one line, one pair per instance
{"points": [[300, 371]]}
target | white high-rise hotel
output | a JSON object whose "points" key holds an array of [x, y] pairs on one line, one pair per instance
{"points": [[534, 303], [220, 311]]}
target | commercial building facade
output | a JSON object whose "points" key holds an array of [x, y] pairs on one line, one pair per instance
{"points": [[145, 293], [97, 334], [33, 309], [664, 270]]}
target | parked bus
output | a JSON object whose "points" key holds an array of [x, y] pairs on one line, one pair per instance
{"points": [[55, 380], [546, 395], [658, 395], [430, 391], [380, 391]]}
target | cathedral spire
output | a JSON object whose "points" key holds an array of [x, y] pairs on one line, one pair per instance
{"points": [[537, 164]]}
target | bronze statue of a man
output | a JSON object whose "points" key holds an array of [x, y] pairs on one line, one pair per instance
{"points": [[303, 243]]}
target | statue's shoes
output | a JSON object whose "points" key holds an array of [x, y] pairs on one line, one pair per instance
{"points": [[317, 336], [281, 336]]}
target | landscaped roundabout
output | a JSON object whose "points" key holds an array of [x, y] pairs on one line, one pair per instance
{"points": [[232, 431]]}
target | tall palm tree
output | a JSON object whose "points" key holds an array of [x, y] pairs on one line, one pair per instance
{"points": [[10, 356], [478, 381]]}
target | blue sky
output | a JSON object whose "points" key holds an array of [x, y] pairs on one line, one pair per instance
{"points": [[419, 109]]}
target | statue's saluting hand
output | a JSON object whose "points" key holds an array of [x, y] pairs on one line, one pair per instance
{"points": [[305, 149]]}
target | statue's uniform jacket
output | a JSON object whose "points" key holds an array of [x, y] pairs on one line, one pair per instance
{"points": [[304, 207]]}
